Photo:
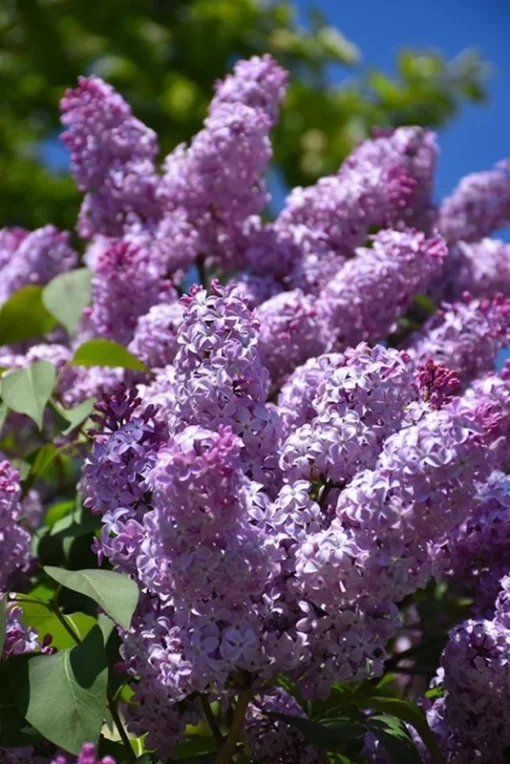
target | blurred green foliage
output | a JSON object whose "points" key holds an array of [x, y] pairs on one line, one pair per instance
{"points": [[164, 56]]}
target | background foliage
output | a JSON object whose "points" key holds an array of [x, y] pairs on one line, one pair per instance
{"points": [[165, 55]]}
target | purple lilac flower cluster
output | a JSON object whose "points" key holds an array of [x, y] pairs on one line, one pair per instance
{"points": [[280, 482]]}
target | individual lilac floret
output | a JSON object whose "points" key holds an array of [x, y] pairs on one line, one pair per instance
{"points": [[155, 340], [481, 268], [293, 328], [370, 293], [87, 755], [14, 540], [476, 676], [478, 206], [270, 739], [125, 286], [411, 148], [39, 256], [18, 638], [466, 336], [259, 82]]}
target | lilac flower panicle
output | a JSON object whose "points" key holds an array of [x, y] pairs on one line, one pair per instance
{"points": [[115, 473], [481, 268], [414, 150], [155, 338], [273, 740], [14, 540], [368, 295], [478, 206], [100, 130], [259, 82], [125, 286], [39, 256], [475, 675], [466, 336], [293, 328], [112, 157]]}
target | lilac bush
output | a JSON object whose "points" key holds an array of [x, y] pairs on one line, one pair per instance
{"points": [[255, 472]]}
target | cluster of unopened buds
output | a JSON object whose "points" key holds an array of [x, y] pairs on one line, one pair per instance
{"points": [[319, 434]]}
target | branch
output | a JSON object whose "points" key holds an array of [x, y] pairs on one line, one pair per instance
{"points": [[229, 745]]}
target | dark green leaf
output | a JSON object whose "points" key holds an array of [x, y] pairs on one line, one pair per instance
{"points": [[328, 734], [410, 713], [65, 698], [116, 593], [27, 390], [23, 316], [395, 738], [195, 746], [43, 459], [37, 616], [67, 295], [76, 416], [58, 512], [3, 621], [3, 413], [100, 352]]}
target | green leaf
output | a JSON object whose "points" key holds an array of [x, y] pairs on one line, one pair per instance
{"points": [[65, 697], [37, 616], [27, 391], [410, 713], [3, 414], [327, 734], [395, 738], [67, 295], [23, 316], [57, 512], [3, 621], [100, 352], [78, 415], [116, 593], [43, 459]]}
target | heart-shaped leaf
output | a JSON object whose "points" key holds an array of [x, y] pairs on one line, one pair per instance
{"points": [[67, 295], [395, 738], [116, 593], [101, 352], [27, 391], [65, 695], [23, 316]]}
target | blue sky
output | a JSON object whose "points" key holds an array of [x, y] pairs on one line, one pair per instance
{"points": [[481, 134]]}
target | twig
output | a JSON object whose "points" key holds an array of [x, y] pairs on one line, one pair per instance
{"points": [[229, 745], [211, 720]]}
